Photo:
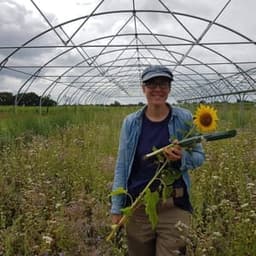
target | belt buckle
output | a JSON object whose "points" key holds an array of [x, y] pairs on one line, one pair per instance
{"points": [[178, 192]]}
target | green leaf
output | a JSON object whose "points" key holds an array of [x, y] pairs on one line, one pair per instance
{"points": [[172, 138], [150, 200], [127, 211], [189, 123], [166, 193], [118, 191], [160, 157], [170, 176], [167, 179]]}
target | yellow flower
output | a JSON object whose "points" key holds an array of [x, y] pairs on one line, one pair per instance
{"points": [[206, 118]]}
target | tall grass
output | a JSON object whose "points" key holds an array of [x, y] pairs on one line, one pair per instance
{"points": [[56, 172], [27, 122], [224, 195], [54, 189]]}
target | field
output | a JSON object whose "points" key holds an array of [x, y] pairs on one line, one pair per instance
{"points": [[56, 171]]}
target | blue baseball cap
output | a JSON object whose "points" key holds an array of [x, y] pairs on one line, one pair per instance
{"points": [[156, 71]]}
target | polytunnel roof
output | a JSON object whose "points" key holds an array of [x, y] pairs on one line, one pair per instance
{"points": [[93, 52]]}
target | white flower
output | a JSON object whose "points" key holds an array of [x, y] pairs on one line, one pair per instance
{"points": [[252, 214], [58, 205], [244, 205], [48, 239], [217, 234]]}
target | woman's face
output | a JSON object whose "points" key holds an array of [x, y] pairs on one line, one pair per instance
{"points": [[157, 90]]}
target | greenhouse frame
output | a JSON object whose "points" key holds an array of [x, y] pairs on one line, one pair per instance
{"points": [[98, 58]]}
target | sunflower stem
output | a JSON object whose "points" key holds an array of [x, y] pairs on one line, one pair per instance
{"points": [[196, 139], [135, 204]]}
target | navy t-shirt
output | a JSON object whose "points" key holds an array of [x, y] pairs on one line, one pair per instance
{"points": [[153, 134]]}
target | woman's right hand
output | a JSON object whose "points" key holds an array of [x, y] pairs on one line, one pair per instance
{"points": [[116, 218]]}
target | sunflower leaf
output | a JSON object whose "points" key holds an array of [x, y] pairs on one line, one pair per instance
{"points": [[160, 157], [118, 191], [127, 211], [150, 200], [170, 176]]}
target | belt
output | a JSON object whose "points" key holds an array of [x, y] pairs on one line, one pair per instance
{"points": [[173, 192]]}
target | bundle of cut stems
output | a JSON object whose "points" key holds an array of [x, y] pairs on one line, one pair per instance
{"points": [[188, 142]]}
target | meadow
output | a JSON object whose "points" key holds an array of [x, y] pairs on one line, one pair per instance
{"points": [[56, 171]]}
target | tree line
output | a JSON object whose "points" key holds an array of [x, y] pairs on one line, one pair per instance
{"points": [[25, 99]]}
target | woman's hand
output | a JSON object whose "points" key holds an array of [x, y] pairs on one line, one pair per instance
{"points": [[116, 218], [173, 153]]}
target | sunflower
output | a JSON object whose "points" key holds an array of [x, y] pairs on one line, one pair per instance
{"points": [[206, 118]]}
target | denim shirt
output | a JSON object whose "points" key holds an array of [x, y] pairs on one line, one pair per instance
{"points": [[179, 124]]}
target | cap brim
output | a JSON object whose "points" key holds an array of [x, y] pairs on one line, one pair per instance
{"points": [[155, 74]]}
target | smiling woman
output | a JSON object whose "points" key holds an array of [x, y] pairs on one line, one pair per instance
{"points": [[153, 126]]}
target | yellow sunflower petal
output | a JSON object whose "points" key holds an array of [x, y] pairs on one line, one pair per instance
{"points": [[206, 118]]}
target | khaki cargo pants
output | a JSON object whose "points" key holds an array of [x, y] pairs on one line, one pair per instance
{"points": [[166, 239]]}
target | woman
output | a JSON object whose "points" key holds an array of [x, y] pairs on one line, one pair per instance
{"points": [[153, 126]]}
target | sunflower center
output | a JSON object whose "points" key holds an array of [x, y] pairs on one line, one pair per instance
{"points": [[206, 119]]}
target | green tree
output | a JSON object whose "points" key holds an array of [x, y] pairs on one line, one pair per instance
{"points": [[6, 98]]}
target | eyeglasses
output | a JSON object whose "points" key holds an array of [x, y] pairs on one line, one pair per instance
{"points": [[161, 84]]}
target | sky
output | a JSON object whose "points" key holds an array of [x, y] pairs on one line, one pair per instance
{"points": [[20, 21]]}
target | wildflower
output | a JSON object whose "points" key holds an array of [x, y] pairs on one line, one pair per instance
{"points": [[206, 118], [217, 234], [249, 185], [252, 214], [48, 239], [181, 226], [57, 205], [244, 205]]}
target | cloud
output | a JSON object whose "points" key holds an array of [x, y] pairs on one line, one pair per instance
{"points": [[9, 84], [17, 26], [24, 27]]}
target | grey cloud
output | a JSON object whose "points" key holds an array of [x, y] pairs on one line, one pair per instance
{"points": [[18, 25], [24, 27]]}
